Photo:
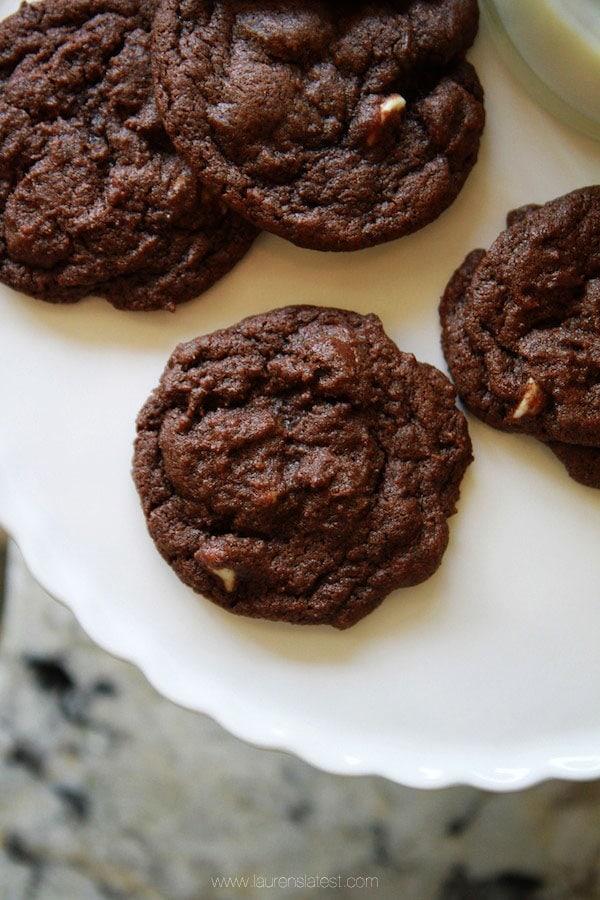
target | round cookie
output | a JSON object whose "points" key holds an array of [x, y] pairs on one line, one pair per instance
{"points": [[336, 128], [93, 197], [299, 467], [521, 328]]}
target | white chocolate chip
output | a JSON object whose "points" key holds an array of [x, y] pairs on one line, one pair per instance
{"points": [[227, 576], [391, 106], [395, 103], [532, 401], [180, 184]]}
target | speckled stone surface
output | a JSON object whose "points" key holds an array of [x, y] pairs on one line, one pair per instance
{"points": [[109, 791]]}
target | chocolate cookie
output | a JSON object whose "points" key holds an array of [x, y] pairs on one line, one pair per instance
{"points": [[336, 126], [582, 463], [521, 329], [93, 197], [299, 467]]}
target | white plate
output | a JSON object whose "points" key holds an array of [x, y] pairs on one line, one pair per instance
{"points": [[489, 673]]}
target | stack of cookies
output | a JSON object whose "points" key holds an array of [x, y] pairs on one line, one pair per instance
{"points": [[521, 329], [296, 466], [334, 129]]}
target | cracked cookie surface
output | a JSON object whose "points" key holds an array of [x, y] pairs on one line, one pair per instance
{"points": [[299, 467], [93, 197], [521, 329], [336, 128]]}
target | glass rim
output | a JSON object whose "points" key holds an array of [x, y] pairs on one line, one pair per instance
{"points": [[536, 87]]}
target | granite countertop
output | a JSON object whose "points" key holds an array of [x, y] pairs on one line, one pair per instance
{"points": [[109, 791]]}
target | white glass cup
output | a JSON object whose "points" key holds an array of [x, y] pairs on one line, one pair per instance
{"points": [[553, 47]]}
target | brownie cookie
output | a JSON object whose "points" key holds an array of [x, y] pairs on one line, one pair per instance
{"points": [[521, 329], [93, 197], [299, 467], [582, 463], [336, 126]]}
